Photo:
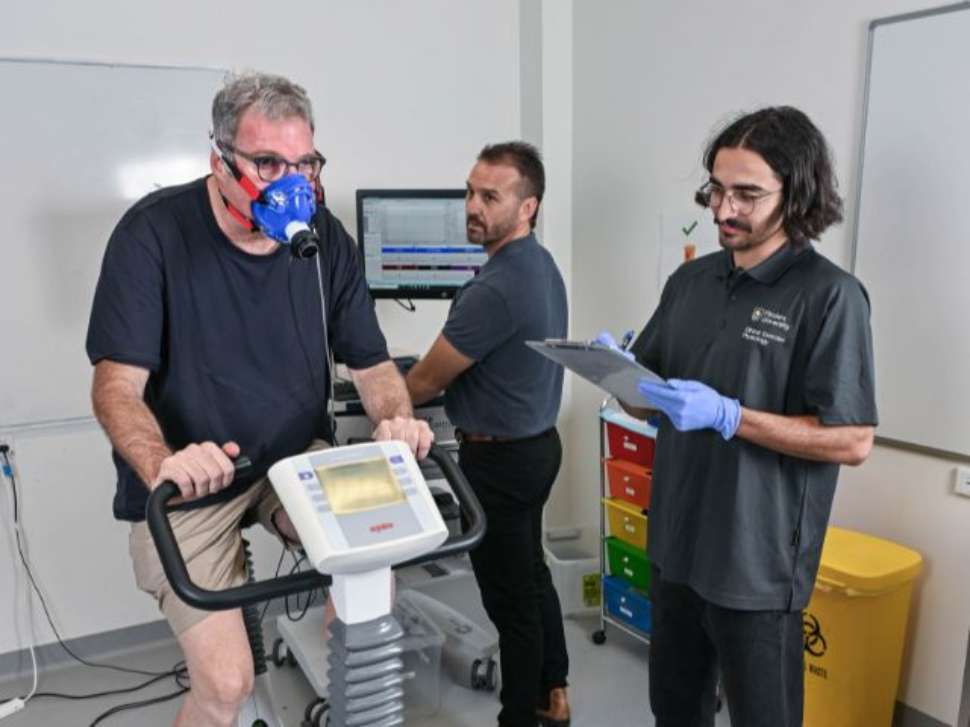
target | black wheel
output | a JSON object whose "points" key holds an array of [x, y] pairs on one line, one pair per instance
{"points": [[320, 714], [599, 637], [477, 675], [491, 676], [280, 653], [313, 715]]}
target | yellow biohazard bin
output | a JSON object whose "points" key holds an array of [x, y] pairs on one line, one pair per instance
{"points": [[854, 628]]}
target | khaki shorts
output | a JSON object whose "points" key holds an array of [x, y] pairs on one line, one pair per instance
{"points": [[210, 539]]}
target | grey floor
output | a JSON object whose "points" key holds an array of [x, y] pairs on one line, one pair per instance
{"points": [[609, 688]]}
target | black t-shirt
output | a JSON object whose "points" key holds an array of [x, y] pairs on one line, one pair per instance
{"points": [[233, 341], [741, 524], [510, 391]]}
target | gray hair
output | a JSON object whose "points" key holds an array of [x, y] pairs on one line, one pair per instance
{"points": [[275, 97]]}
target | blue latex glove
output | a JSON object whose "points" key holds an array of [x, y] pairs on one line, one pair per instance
{"points": [[285, 207], [605, 338], [692, 405]]}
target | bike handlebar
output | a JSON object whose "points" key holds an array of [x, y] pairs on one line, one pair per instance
{"points": [[178, 575]]}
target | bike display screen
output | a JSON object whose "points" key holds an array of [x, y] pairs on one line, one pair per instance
{"points": [[359, 486]]}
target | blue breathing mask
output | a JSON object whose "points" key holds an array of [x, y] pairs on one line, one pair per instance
{"points": [[284, 211]]}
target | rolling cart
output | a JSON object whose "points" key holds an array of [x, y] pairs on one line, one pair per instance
{"points": [[626, 461]]}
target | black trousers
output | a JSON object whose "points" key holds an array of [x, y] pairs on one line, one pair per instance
{"points": [[758, 655], [513, 480]]}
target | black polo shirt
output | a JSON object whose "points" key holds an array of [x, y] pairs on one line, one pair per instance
{"points": [[740, 524], [233, 342], [510, 391]]}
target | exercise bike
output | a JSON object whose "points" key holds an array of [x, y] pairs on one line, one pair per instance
{"points": [[359, 510]]}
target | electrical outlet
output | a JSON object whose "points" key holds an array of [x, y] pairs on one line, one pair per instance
{"points": [[961, 481]]}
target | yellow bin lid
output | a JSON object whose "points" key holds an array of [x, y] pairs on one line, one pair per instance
{"points": [[865, 563]]}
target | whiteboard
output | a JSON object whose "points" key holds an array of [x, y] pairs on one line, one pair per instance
{"points": [[912, 245], [79, 143]]}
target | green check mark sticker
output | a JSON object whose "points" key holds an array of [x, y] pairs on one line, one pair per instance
{"points": [[688, 230]]}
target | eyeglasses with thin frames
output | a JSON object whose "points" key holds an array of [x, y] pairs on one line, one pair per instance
{"points": [[742, 201], [270, 167]]}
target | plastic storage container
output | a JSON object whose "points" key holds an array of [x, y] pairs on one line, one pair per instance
{"points": [[854, 629], [630, 445], [627, 522], [628, 563], [630, 482], [626, 604], [574, 563], [422, 645]]}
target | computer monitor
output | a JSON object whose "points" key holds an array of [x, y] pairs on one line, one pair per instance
{"points": [[413, 242]]}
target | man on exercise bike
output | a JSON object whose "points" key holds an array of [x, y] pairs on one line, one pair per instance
{"points": [[209, 339]]}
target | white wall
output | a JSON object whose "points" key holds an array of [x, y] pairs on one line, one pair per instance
{"points": [[652, 80], [405, 95], [557, 216]]}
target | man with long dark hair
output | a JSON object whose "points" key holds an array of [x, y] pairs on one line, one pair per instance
{"points": [[767, 352]]}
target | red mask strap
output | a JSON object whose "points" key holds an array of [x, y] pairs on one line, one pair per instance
{"points": [[237, 215], [249, 188]]}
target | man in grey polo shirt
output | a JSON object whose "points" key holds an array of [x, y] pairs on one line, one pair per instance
{"points": [[767, 350], [504, 398]]}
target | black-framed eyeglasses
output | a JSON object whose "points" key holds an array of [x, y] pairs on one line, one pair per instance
{"points": [[270, 167], [742, 201]]}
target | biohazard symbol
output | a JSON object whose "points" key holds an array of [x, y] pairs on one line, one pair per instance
{"points": [[815, 643]]}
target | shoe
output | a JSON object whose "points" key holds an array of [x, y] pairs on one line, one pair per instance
{"points": [[557, 713]]}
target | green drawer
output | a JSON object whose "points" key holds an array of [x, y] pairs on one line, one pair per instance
{"points": [[628, 563]]}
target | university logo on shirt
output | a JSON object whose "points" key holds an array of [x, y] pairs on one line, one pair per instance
{"points": [[771, 327]]}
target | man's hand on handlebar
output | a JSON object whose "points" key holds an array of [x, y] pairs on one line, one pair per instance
{"points": [[199, 469], [414, 432]]}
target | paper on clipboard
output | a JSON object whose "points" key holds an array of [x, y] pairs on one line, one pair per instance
{"points": [[601, 365]]}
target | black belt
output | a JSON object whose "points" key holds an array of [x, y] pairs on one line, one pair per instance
{"points": [[463, 436]]}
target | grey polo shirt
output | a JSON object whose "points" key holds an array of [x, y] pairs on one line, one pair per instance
{"points": [[740, 524], [510, 390]]}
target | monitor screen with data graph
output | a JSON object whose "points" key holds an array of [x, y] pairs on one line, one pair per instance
{"points": [[414, 243]]}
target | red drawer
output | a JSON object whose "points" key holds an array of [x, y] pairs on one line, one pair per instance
{"points": [[630, 482], [631, 446]]}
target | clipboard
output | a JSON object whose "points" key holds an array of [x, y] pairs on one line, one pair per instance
{"points": [[601, 365]]}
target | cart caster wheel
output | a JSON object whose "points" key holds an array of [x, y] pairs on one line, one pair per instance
{"points": [[280, 651], [315, 714], [479, 674], [484, 675], [599, 637], [491, 676], [486, 678], [282, 654]]}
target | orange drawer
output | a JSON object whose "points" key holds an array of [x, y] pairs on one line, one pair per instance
{"points": [[630, 482], [631, 446]]}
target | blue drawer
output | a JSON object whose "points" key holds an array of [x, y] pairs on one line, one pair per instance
{"points": [[626, 604]]}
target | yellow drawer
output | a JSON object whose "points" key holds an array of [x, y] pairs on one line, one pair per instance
{"points": [[627, 522]]}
